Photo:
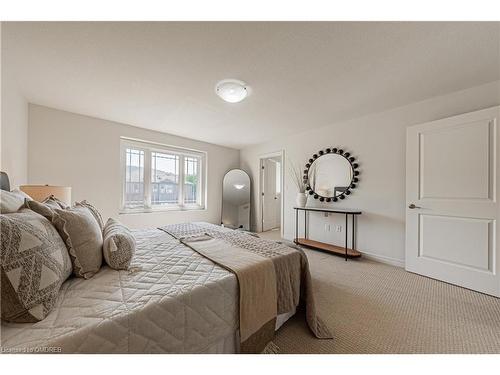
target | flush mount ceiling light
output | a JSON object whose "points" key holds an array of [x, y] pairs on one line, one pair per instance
{"points": [[231, 90], [238, 186]]}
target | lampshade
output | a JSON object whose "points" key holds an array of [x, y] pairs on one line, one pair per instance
{"points": [[40, 192]]}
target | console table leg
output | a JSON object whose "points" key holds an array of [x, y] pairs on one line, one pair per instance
{"points": [[305, 225], [353, 246], [296, 226], [346, 216]]}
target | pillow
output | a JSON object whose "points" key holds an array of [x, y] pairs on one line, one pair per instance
{"points": [[47, 207], [94, 211], [54, 202], [119, 245], [83, 237], [46, 210], [12, 201], [34, 264]]}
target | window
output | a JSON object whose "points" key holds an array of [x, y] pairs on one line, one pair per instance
{"points": [[158, 177], [164, 179], [134, 177]]}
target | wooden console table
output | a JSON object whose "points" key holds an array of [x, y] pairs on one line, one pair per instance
{"points": [[338, 250]]}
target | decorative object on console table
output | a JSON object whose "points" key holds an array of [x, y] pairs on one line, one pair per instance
{"points": [[300, 183], [301, 199], [338, 250], [40, 192]]}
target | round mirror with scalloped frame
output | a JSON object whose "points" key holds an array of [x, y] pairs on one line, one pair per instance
{"points": [[331, 174]]}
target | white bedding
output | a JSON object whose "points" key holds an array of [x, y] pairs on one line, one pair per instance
{"points": [[172, 301]]}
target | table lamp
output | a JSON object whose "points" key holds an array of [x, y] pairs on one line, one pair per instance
{"points": [[40, 192]]}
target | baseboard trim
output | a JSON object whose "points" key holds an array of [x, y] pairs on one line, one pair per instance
{"points": [[384, 259]]}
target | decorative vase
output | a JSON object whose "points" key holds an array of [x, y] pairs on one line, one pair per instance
{"points": [[301, 199]]}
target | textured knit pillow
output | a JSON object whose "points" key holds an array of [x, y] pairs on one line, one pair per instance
{"points": [[94, 211], [119, 245], [47, 207], [34, 264], [83, 237], [46, 210], [54, 202], [12, 201]]}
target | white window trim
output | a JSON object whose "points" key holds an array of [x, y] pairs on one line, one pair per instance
{"points": [[148, 148]]}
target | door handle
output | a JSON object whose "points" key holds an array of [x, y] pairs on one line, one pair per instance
{"points": [[412, 206]]}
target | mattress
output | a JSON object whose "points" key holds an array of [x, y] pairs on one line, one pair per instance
{"points": [[172, 300]]}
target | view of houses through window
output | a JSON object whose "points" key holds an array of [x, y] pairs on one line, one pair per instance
{"points": [[152, 177], [191, 179], [134, 177], [164, 178]]}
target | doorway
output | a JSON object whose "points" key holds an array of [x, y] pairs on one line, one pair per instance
{"points": [[271, 195]]}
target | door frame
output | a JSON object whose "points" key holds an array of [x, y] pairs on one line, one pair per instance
{"points": [[280, 153]]}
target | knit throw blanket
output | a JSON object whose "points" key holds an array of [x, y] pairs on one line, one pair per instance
{"points": [[293, 278]]}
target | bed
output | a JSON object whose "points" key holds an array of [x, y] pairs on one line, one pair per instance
{"points": [[171, 300], [174, 298]]}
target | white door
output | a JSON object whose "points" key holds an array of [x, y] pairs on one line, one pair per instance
{"points": [[270, 200], [451, 195]]}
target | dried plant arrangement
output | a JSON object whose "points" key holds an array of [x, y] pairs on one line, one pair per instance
{"points": [[296, 175]]}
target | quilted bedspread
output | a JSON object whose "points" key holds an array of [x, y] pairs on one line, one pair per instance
{"points": [[172, 300]]}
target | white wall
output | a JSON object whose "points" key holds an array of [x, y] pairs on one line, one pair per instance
{"points": [[14, 125], [84, 153], [378, 141]]}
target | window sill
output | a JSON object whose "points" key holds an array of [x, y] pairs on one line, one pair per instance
{"points": [[125, 211]]}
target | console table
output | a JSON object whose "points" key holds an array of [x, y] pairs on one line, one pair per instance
{"points": [[338, 250]]}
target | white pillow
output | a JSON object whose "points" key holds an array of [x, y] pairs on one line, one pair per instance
{"points": [[12, 201]]}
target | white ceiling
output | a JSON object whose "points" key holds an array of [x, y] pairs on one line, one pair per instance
{"points": [[161, 75]]}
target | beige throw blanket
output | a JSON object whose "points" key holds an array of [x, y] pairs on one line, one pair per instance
{"points": [[293, 278], [257, 288]]}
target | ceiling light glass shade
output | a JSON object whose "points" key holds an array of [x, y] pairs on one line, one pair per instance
{"points": [[231, 90], [238, 186]]}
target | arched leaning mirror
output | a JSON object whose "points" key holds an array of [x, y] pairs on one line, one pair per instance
{"points": [[236, 200], [331, 175]]}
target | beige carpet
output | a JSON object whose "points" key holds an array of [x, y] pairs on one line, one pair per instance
{"points": [[375, 308], [273, 234]]}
